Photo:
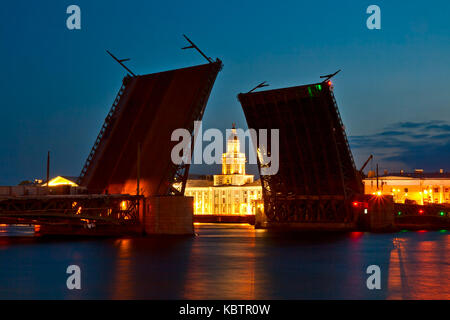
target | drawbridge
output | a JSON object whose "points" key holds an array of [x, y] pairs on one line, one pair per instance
{"points": [[146, 111], [317, 179]]}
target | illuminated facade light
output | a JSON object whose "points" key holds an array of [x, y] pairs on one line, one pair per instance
{"points": [[60, 181]]}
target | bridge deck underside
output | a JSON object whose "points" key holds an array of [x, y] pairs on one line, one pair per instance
{"points": [[151, 107], [316, 180]]}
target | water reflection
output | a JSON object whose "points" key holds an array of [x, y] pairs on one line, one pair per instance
{"points": [[419, 266], [397, 280], [123, 284], [228, 262], [222, 264]]}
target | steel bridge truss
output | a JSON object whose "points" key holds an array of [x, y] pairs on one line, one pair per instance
{"points": [[178, 174], [106, 127], [134, 144]]}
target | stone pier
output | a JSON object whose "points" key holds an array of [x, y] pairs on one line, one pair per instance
{"points": [[171, 215]]}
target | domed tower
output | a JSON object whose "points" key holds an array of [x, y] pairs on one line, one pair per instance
{"points": [[233, 163]]}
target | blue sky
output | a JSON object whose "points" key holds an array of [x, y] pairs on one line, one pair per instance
{"points": [[57, 85]]}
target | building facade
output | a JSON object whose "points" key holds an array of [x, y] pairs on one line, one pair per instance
{"points": [[418, 187], [233, 192]]}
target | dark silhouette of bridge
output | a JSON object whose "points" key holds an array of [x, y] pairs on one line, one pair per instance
{"points": [[317, 180]]}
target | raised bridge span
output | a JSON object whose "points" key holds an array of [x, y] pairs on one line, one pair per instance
{"points": [[317, 180], [146, 111]]}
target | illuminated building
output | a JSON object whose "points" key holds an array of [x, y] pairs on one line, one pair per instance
{"points": [[232, 192], [417, 187]]}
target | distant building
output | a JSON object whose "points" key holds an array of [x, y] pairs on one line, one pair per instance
{"points": [[232, 192], [417, 187], [60, 185]]}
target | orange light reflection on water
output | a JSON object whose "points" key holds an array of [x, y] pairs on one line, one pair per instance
{"points": [[124, 281], [417, 271], [235, 257]]}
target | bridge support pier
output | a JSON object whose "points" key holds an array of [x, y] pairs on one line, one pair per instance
{"points": [[171, 215], [381, 216]]}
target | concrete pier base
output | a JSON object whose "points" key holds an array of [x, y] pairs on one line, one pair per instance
{"points": [[381, 216], [260, 218], [171, 215]]}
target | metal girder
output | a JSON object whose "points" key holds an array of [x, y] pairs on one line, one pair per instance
{"points": [[112, 209], [317, 178], [178, 174]]}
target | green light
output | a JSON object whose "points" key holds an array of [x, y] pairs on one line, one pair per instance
{"points": [[442, 213], [319, 87], [442, 231], [310, 92], [399, 213], [404, 231]]}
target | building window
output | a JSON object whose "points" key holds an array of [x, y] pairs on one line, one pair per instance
{"points": [[436, 190], [406, 189]]}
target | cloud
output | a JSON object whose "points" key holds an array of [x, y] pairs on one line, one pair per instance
{"points": [[407, 145]]}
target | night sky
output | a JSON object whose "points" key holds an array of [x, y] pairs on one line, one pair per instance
{"points": [[57, 85]]}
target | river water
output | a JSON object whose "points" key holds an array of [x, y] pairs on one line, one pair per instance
{"points": [[227, 261]]}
